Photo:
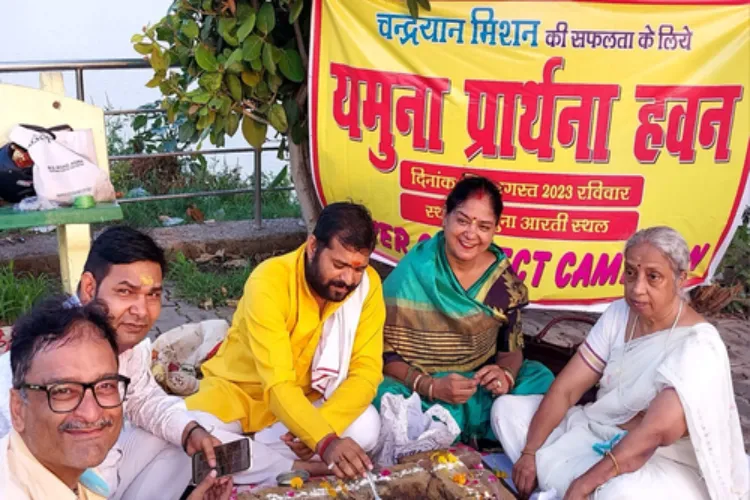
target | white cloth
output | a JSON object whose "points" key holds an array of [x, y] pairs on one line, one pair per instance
{"points": [[147, 407], [406, 430], [137, 467], [330, 365], [633, 375], [270, 456]]}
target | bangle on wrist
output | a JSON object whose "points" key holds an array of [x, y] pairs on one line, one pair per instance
{"points": [[430, 393], [416, 382], [190, 433], [528, 452], [325, 443], [509, 376], [614, 461]]}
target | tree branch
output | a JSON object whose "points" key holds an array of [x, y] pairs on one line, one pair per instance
{"points": [[255, 117], [300, 43]]}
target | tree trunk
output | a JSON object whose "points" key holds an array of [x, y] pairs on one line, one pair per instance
{"points": [[301, 170]]}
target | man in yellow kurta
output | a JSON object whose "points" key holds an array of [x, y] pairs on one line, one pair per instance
{"points": [[303, 358]]}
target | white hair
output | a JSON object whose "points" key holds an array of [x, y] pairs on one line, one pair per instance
{"points": [[670, 244]]}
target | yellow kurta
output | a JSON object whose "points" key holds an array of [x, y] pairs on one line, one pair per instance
{"points": [[261, 373]]}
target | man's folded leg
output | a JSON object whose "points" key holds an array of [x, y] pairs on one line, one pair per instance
{"points": [[138, 464]]}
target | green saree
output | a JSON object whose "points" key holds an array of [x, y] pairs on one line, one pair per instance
{"points": [[432, 323]]}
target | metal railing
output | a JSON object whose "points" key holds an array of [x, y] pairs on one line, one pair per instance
{"points": [[79, 66]]}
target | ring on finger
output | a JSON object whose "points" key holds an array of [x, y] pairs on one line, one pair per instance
{"points": [[331, 465]]}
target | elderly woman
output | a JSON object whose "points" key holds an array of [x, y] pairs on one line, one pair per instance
{"points": [[664, 424], [453, 317]]}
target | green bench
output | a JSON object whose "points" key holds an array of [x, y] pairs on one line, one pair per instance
{"points": [[49, 107]]}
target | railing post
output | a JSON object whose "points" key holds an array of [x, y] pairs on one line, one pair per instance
{"points": [[257, 193], [79, 84]]}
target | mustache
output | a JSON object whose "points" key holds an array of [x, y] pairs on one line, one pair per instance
{"points": [[341, 284], [75, 425]]}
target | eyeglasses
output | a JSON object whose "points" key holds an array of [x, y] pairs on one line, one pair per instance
{"points": [[66, 397]]}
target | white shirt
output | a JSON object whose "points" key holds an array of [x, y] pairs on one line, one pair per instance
{"points": [[147, 405]]}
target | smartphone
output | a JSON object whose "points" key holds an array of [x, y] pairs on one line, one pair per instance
{"points": [[230, 458]]}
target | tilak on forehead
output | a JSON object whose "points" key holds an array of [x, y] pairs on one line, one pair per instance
{"points": [[147, 280]]}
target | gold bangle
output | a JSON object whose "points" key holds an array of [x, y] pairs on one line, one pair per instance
{"points": [[416, 381], [510, 376], [614, 461], [529, 453]]}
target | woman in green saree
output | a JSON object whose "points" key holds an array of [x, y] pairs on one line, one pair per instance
{"points": [[453, 324]]}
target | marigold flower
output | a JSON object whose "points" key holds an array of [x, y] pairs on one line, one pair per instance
{"points": [[296, 483], [459, 479]]}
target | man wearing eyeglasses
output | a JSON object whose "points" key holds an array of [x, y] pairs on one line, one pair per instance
{"points": [[66, 404], [151, 459]]}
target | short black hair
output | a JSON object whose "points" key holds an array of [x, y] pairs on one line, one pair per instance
{"points": [[470, 185], [350, 223], [122, 245], [48, 323]]}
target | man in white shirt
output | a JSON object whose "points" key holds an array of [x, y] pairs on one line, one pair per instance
{"points": [[61, 429], [150, 460]]}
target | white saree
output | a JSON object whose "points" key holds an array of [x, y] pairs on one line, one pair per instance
{"points": [[710, 463]]}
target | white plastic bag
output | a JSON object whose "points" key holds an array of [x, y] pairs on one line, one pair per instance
{"points": [[64, 164], [406, 430]]}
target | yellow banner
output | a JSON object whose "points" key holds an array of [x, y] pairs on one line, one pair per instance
{"points": [[595, 118]]}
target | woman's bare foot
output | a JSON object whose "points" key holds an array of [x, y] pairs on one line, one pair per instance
{"points": [[314, 468]]}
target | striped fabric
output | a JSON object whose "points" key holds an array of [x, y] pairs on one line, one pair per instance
{"points": [[591, 358]]}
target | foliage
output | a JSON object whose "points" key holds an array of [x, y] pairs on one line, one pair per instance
{"points": [[18, 292], [240, 65], [152, 133], [735, 267], [203, 287]]}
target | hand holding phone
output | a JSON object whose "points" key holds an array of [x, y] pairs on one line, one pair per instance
{"points": [[231, 458]]}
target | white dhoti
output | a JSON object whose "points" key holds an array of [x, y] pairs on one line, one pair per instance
{"points": [[271, 456], [138, 466]]}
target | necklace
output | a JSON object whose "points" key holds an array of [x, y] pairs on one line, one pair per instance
{"points": [[626, 350]]}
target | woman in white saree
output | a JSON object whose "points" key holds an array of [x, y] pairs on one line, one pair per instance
{"points": [[664, 424]]}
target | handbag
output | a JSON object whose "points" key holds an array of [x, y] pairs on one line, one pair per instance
{"points": [[554, 356]]}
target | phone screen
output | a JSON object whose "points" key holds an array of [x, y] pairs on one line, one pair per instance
{"points": [[230, 458]]}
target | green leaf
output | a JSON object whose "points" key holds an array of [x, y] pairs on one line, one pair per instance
{"points": [[137, 38], [262, 91], [292, 111], [268, 61], [266, 18], [210, 81], [214, 103], [425, 4], [254, 132], [226, 25], [143, 48], [190, 29], [139, 122], [291, 67], [156, 80], [413, 8], [274, 81], [277, 117], [206, 58], [207, 4], [159, 60], [244, 10], [233, 123], [251, 48], [295, 11], [246, 27], [234, 86], [250, 78], [256, 64], [187, 129], [200, 97], [235, 57]]}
